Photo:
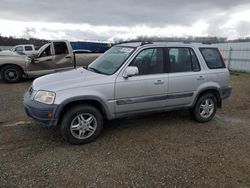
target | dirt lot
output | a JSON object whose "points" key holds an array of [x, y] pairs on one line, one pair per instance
{"points": [[163, 150]]}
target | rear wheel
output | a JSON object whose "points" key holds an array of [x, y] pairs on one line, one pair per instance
{"points": [[81, 124], [205, 108], [11, 74]]}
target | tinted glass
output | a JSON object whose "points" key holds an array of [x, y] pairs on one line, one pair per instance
{"points": [[149, 61], [28, 48], [180, 60], [60, 48], [195, 62], [212, 58]]}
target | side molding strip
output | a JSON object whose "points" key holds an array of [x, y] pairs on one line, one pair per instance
{"points": [[152, 98]]}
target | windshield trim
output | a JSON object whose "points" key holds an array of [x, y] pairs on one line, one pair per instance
{"points": [[134, 48], [95, 70]]}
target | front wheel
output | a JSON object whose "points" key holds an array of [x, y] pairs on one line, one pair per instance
{"points": [[11, 74], [81, 124], [205, 108]]}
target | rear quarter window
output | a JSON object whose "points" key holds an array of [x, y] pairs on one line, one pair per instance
{"points": [[212, 58]]}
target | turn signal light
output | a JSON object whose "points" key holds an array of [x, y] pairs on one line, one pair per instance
{"points": [[49, 114]]}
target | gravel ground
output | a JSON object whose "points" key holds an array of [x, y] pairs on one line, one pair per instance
{"points": [[162, 150]]}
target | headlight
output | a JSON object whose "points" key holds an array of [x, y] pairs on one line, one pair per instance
{"points": [[46, 97]]}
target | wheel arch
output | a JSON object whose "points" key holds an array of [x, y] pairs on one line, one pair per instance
{"points": [[213, 90], [93, 101], [11, 64]]}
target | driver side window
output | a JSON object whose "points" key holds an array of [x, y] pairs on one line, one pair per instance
{"points": [[149, 61], [46, 52], [19, 49]]}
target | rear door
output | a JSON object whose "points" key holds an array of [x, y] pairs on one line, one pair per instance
{"points": [[146, 91], [185, 75]]}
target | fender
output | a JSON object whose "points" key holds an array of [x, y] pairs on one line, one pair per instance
{"points": [[107, 112], [206, 89]]}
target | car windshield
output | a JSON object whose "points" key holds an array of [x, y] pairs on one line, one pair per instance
{"points": [[111, 61], [13, 48]]}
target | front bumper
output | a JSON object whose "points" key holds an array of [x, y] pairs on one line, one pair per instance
{"points": [[40, 111]]}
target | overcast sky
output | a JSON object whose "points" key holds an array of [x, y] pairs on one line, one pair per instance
{"points": [[109, 20]]}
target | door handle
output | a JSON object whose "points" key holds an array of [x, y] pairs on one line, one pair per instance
{"points": [[68, 57], [159, 82], [49, 60], [201, 78]]}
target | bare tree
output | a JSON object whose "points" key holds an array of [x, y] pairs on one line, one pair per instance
{"points": [[29, 33]]}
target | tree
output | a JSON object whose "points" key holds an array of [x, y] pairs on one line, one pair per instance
{"points": [[29, 33]]}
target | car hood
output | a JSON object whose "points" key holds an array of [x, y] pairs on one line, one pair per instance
{"points": [[69, 79]]}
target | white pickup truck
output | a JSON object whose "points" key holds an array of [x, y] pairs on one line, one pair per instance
{"points": [[27, 49], [52, 57]]}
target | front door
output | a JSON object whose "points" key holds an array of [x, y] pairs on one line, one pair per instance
{"points": [[55, 57], [144, 91], [43, 64]]}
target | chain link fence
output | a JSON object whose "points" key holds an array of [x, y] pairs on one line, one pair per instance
{"points": [[236, 55]]}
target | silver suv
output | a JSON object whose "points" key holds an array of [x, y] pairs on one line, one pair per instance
{"points": [[130, 79]]}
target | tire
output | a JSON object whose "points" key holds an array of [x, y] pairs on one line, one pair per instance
{"points": [[205, 108], [11, 74], [78, 128]]}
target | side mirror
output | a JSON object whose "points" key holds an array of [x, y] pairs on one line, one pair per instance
{"points": [[33, 60], [130, 71]]}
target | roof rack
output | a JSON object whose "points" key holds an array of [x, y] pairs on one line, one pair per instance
{"points": [[145, 42], [125, 42]]}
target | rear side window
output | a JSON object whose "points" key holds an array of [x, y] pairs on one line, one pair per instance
{"points": [[182, 60], [212, 57], [28, 48]]}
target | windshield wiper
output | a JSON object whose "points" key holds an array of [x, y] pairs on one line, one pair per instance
{"points": [[94, 70]]}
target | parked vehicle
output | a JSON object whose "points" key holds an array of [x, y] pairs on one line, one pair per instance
{"points": [[130, 79], [52, 57], [27, 49]]}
